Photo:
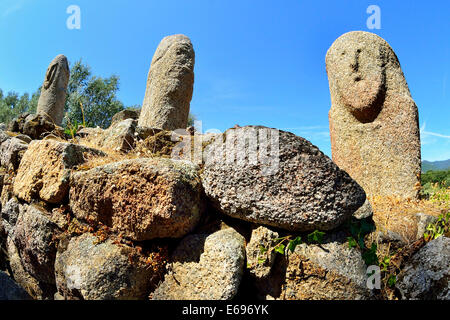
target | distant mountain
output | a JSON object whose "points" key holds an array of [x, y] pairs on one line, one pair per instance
{"points": [[435, 165]]}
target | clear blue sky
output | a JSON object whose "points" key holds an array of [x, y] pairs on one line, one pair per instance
{"points": [[257, 62]]}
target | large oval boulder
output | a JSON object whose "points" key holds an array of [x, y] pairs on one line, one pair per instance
{"points": [[276, 178]]}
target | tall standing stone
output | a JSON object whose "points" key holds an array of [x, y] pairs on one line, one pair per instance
{"points": [[374, 124], [170, 85], [54, 90]]}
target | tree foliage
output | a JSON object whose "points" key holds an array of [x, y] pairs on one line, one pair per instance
{"points": [[440, 177], [12, 104], [95, 96]]}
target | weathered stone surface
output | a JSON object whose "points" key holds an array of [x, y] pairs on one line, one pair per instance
{"points": [[89, 270], [9, 290], [427, 275], [260, 262], [9, 214], [90, 132], [7, 189], [24, 138], [11, 152], [295, 187], [145, 132], [37, 290], [374, 125], [205, 267], [126, 114], [3, 136], [365, 211], [45, 170], [331, 271], [423, 220], [169, 85], [54, 90], [36, 125], [120, 136], [142, 198], [34, 238]]}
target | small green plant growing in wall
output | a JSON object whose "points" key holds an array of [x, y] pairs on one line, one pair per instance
{"points": [[287, 244], [439, 228], [358, 229]]}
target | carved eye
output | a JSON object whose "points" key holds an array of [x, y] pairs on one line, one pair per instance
{"points": [[343, 53], [358, 51]]}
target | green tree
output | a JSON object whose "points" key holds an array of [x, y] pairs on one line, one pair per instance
{"points": [[13, 105], [95, 96]]}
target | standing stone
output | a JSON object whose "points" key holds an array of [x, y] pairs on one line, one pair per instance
{"points": [[54, 90], [169, 85], [374, 124]]}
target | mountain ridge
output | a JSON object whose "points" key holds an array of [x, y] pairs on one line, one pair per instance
{"points": [[435, 165]]}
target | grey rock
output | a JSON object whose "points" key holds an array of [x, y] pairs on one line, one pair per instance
{"points": [[327, 272], [395, 240], [423, 220], [36, 125], [330, 271], [10, 213], [9, 290], [34, 237], [36, 289], [120, 136], [125, 114], [2, 126], [427, 275], [3, 136], [54, 90], [11, 152], [295, 187], [260, 262], [145, 132], [90, 132], [169, 85], [86, 269], [205, 267], [365, 211], [24, 138]]}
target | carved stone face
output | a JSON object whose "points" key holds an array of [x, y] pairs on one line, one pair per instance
{"points": [[356, 66]]}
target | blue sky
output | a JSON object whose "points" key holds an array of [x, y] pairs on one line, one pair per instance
{"points": [[257, 62]]}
